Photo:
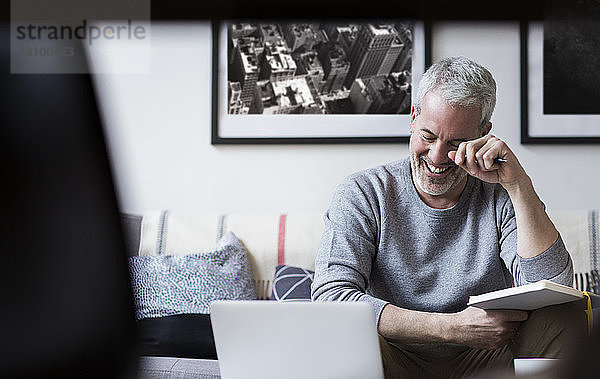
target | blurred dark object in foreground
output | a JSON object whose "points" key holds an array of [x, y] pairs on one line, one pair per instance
{"points": [[64, 289]]}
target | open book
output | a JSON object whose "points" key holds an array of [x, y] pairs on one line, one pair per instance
{"points": [[527, 297]]}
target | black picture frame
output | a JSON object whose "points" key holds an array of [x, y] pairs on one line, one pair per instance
{"points": [[219, 112], [538, 126]]}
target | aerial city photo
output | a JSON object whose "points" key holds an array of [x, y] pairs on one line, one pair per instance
{"points": [[319, 68]]}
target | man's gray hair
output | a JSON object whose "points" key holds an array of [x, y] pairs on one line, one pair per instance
{"points": [[461, 82]]}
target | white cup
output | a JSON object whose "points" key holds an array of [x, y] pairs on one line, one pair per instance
{"points": [[528, 366]]}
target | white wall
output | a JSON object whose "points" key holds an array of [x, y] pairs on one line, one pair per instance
{"points": [[158, 129]]}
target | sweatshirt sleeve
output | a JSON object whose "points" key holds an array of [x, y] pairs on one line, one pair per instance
{"points": [[348, 247], [553, 264]]}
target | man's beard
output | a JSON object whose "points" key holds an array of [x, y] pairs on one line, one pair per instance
{"points": [[434, 186]]}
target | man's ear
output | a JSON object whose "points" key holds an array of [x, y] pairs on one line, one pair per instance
{"points": [[487, 129], [413, 116]]}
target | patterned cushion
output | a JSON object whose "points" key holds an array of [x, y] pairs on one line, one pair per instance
{"points": [[292, 283], [165, 285]]}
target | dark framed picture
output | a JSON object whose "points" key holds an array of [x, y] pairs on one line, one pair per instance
{"points": [[316, 82], [560, 89]]}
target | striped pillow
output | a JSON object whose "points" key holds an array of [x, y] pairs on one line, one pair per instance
{"points": [[580, 230], [588, 281]]}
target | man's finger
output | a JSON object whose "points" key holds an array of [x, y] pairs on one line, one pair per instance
{"points": [[465, 154], [484, 155], [459, 156], [470, 163]]}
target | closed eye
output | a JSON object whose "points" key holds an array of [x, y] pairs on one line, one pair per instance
{"points": [[456, 142], [430, 137]]}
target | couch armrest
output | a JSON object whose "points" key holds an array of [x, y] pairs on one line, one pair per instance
{"points": [[169, 367], [132, 227]]}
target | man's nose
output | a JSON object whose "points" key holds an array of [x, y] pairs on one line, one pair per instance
{"points": [[438, 153]]}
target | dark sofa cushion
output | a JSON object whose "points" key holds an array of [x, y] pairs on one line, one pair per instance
{"points": [[183, 336]]}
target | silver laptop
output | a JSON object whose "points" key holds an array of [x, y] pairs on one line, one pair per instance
{"points": [[269, 339]]}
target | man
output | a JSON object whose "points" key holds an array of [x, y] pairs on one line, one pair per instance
{"points": [[417, 237]]}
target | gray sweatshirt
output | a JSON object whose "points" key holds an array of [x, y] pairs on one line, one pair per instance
{"points": [[382, 244]]}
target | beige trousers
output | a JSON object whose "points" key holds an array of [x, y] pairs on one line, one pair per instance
{"points": [[548, 333]]}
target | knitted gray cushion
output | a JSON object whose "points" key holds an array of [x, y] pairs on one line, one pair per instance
{"points": [[166, 285]]}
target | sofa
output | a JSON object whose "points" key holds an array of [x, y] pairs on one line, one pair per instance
{"points": [[273, 241]]}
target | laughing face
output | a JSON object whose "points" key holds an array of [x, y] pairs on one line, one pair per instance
{"points": [[437, 130]]}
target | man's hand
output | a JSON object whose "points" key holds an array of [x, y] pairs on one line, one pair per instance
{"points": [[535, 231], [483, 329], [477, 158]]}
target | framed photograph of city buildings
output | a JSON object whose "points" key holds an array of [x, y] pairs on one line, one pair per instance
{"points": [[560, 81], [316, 81]]}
